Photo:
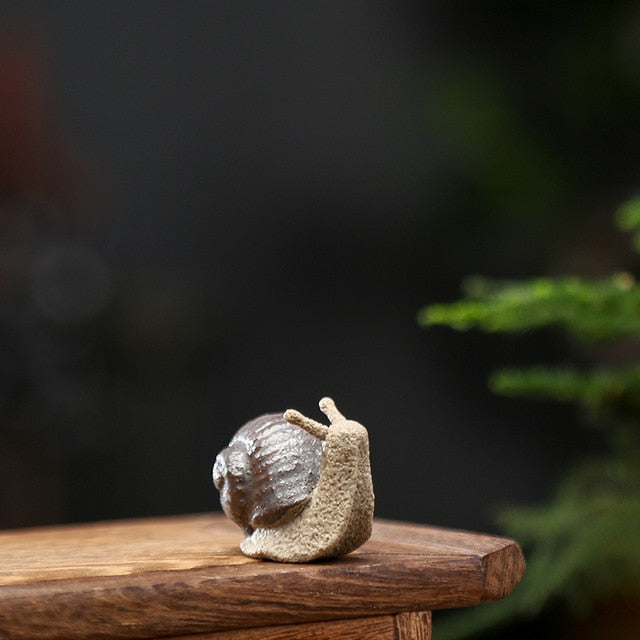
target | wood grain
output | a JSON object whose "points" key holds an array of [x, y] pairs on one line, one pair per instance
{"points": [[185, 575], [403, 626], [118, 548], [413, 625]]}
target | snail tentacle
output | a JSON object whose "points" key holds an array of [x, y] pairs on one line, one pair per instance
{"points": [[316, 429], [328, 407]]}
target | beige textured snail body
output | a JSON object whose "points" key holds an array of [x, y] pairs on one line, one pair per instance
{"points": [[332, 519]]}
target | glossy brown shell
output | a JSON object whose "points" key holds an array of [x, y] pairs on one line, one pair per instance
{"points": [[267, 473]]}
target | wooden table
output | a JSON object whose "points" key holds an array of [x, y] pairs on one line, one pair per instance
{"points": [[185, 578]]}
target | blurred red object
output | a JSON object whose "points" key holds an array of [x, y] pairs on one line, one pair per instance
{"points": [[37, 165]]}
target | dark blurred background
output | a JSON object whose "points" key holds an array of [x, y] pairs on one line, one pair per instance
{"points": [[213, 210]]}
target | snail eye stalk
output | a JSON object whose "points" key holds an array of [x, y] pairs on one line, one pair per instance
{"points": [[316, 429], [328, 407]]}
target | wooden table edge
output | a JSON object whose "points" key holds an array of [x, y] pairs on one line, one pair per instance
{"points": [[369, 582]]}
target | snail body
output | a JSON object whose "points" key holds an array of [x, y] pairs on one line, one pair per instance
{"points": [[337, 516]]}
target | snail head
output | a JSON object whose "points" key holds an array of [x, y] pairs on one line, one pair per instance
{"points": [[317, 429]]}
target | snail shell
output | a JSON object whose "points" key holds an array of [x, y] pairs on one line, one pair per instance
{"points": [[266, 474]]}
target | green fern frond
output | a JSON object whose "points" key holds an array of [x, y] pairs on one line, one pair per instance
{"points": [[591, 310], [628, 219], [584, 544], [599, 391], [581, 547]]}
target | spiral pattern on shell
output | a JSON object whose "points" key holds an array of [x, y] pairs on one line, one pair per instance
{"points": [[266, 474]]}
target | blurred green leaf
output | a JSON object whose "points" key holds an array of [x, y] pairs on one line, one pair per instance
{"points": [[628, 219], [598, 391], [583, 544], [590, 310]]}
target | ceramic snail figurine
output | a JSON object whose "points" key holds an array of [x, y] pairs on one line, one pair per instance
{"points": [[301, 490]]}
